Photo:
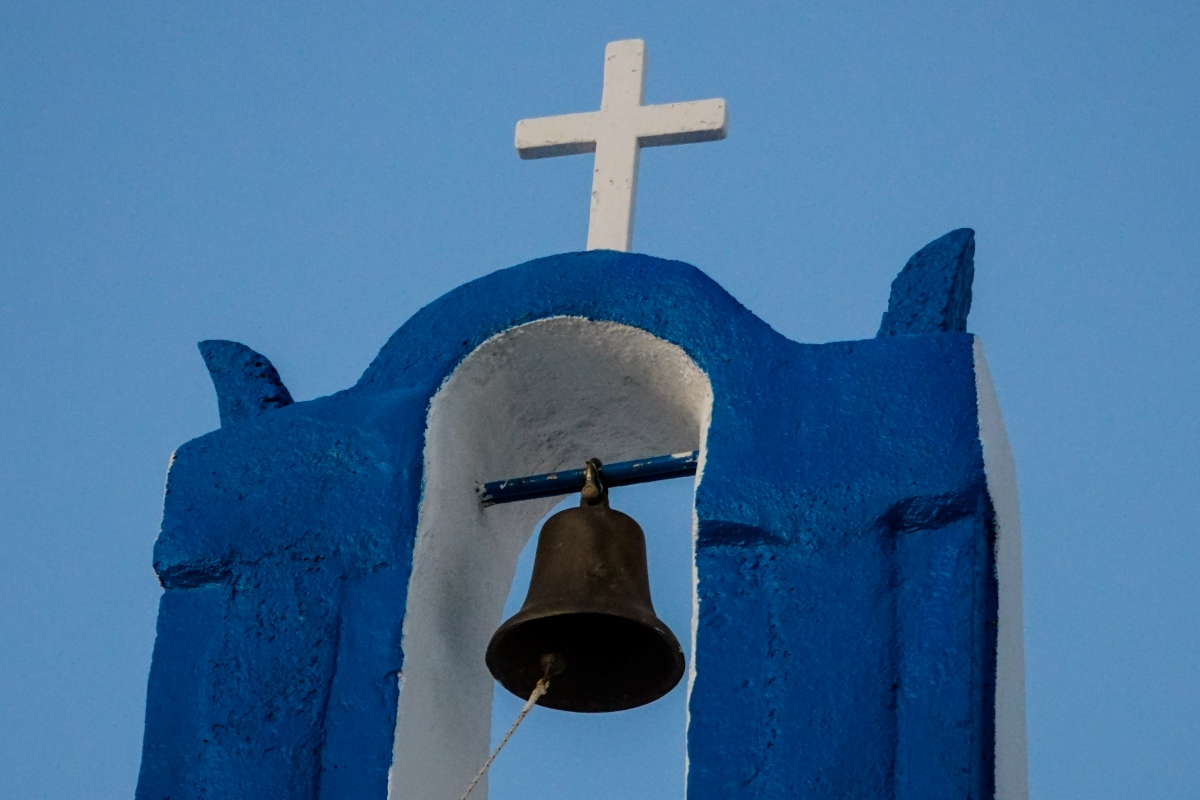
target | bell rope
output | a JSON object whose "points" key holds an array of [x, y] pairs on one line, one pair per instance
{"points": [[542, 687]]}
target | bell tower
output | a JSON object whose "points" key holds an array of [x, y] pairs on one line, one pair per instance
{"points": [[335, 570]]}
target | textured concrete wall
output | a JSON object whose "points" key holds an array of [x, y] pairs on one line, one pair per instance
{"points": [[849, 536]]}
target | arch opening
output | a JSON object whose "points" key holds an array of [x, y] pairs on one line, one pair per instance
{"points": [[535, 398]]}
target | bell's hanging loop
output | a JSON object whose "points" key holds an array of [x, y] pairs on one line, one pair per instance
{"points": [[594, 492], [588, 622]]}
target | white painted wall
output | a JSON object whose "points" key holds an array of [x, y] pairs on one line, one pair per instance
{"points": [[1012, 776], [536, 398]]}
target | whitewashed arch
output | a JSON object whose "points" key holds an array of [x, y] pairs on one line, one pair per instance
{"points": [[532, 399]]}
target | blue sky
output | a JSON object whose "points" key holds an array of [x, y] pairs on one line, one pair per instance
{"points": [[303, 179]]}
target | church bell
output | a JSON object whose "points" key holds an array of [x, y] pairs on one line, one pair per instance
{"points": [[588, 623]]}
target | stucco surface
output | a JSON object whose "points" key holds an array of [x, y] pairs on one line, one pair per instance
{"points": [[846, 637]]}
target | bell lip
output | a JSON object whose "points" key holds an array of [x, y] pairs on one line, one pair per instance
{"points": [[547, 700]]}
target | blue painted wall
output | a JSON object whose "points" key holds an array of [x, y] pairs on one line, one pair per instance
{"points": [[846, 641]]}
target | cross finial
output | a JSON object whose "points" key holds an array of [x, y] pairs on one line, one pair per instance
{"points": [[616, 133]]}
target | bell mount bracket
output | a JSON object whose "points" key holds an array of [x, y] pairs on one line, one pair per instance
{"points": [[563, 482]]}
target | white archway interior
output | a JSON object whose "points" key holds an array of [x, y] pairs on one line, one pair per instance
{"points": [[539, 397]]}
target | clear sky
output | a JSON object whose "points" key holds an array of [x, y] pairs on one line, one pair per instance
{"points": [[304, 179]]}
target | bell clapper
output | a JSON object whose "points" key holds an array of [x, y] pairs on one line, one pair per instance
{"points": [[552, 664]]}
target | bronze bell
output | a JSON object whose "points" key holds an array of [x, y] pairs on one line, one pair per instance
{"points": [[587, 621]]}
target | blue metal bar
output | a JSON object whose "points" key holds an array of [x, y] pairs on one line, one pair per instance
{"points": [[623, 473]]}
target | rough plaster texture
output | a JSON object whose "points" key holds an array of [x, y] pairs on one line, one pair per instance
{"points": [[933, 292], [247, 383], [856, 546]]}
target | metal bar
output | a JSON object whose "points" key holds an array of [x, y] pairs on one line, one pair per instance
{"points": [[623, 473]]}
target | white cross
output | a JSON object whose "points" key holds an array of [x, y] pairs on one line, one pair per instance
{"points": [[616, 133]]}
